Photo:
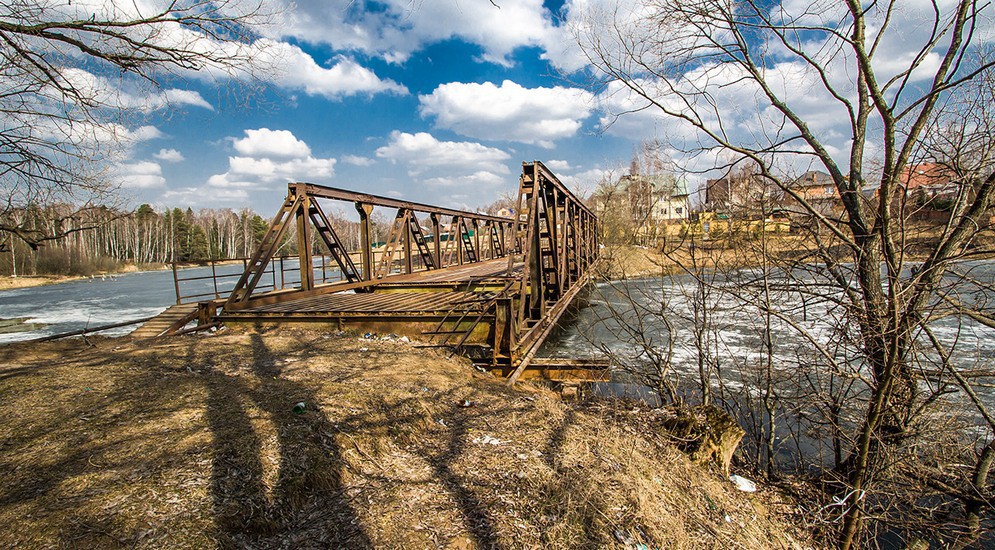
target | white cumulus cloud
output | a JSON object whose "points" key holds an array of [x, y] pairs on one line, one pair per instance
{"points": [[266, 157], [198, 196], [103, 142], [421, 151], [268, 170], [356, 160], [557, 165], [264, 142], [468, 181], [508, 112], [169, 155], [122, 93], [140, 175], [472, 166], [175, 96], [583, 183], [266, 59], [399, 27], [292, 68]]}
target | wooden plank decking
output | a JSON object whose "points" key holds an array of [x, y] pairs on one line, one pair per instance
{"points": [[373, 303], [174, 318], [488, 269]]}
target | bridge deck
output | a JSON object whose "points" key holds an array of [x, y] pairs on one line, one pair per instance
{"points": [[488, 269], [373, 303], [416, 294]]}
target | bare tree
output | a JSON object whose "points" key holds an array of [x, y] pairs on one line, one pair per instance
{"points": [[69, 73], [740, 77]]}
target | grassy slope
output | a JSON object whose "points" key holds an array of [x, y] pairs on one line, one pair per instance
{"points": [[191, 443]]}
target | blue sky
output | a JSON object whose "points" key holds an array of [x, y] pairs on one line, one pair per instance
{"points": [[440, 101], [440, 117]]}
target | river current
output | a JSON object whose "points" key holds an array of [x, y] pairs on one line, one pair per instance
{"points": [[738, 330]]}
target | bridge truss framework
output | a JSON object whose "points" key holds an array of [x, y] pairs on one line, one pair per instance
{"points": [[490, 287]]}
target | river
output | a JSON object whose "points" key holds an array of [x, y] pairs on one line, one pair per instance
{"points": [[620, 310], [102, 300]]}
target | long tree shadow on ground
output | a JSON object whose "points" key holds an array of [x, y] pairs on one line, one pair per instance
{"points": [[478, 521], [306, 505], [382, 441], [302, 499], [77, 445]]}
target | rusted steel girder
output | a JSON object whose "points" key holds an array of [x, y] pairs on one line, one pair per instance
{"points": [[322, 192], [301, 207], [557, 237]]}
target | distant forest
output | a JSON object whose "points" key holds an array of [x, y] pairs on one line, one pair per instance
{"points": [[106, 239]]}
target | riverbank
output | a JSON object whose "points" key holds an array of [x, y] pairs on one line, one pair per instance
{"points": [[677, 256], [193, 442], [669, 258], [633, 262], [28, 281], [11, 283]]}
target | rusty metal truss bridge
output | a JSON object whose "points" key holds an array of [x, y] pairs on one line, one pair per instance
{"points": [[490, 287]]}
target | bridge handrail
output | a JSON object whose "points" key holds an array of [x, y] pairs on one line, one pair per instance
{"points": [[323, 192], [275, 269]]}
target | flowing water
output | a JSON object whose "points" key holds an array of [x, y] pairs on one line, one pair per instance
{"points": [[633, 319], [102, 300]]}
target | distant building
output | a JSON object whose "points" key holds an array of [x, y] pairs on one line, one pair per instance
{"points": [[670, 199], [815, 185], [741, 194], [647, 199], [726, 194], [929, 183], [652, 205], [818, 190], [927, 192]]}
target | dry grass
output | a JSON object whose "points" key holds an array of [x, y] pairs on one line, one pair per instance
{"points": [[27, 281], [674, 257], [629, 262], [191, 442], [741, 251]]}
